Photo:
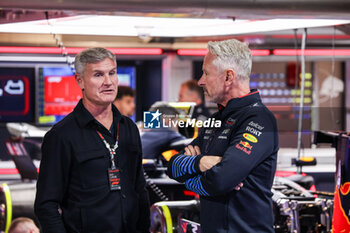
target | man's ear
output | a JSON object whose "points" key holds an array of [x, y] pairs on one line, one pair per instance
{"points": [[80, 81], [230, 76]]}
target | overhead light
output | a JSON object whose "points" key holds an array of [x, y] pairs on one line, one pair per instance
{"points": [[181, 52], [260, 52], [160, 27], [137, 51], [192, 52], [203, 52], [13, 49], [76, 50], [320, 37], [312, 52]]}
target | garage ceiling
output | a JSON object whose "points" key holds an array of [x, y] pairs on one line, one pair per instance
{"points": [[247, 9], [22, 10]]}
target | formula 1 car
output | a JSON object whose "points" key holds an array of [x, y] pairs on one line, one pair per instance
{"points": [[296, 210]]}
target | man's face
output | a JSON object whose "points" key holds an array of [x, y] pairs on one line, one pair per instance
{"points": [[99, 82], [186, 95], [212, 81], [126, 105]]}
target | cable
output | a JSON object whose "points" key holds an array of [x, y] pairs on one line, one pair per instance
{"points": [[301, 106], [296, 58], [59, 43], [332, 80], [155, 188], [296, 78]]}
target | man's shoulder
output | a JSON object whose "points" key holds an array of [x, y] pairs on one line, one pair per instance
{"points": [[257, 112], [257, 109], [64, 126]]}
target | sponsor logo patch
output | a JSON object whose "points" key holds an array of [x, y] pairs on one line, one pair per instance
{"points": [[245, 147], [256, 125], [230, 121], [226, 131], [253, 131], [250, 137], [246, 144], [208, 131]]}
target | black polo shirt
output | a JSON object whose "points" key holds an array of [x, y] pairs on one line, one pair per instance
{"points": [[74, 177]]}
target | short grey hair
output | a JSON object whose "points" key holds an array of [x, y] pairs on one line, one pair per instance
{"points": [[232, 54], [91, 55]]}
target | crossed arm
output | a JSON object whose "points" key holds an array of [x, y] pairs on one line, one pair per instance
{"points": [[206, 162], [212, 175]]}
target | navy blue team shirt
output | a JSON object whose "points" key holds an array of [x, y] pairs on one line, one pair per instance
{"points": [[248, 143]]}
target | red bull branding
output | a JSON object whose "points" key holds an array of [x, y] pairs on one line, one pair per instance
{"points": [[245, 147]]}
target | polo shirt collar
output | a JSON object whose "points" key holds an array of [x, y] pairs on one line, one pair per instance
{"points": [[84, 117]]}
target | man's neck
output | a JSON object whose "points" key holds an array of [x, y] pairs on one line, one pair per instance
{"points": [[102, 114], [235, 93]]}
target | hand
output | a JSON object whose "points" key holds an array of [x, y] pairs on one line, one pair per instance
{"points": [[192, 150], [239, 186], [207, 162]]}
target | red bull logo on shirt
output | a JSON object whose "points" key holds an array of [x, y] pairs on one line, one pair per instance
{"points": [[244, 146]]}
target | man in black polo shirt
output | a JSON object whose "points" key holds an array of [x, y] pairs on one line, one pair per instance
{"points": [[243, 149], [91, 176]]}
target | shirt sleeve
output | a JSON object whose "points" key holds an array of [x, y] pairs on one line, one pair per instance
{"points": [[181, 167], [253, 142], [52, 182]]}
